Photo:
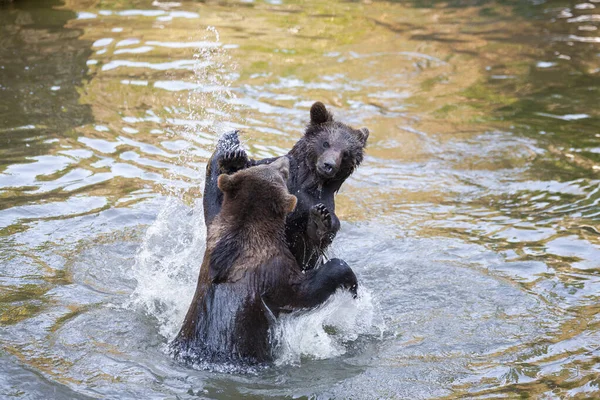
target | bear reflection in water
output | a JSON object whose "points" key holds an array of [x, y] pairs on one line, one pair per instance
{"points": [[249, 275]]}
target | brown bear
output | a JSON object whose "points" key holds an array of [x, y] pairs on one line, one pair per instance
{"points": [[248, 275], [320, 162]]}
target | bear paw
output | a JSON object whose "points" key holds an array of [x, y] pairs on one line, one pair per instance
{"points": [[233, 161], [321, 217]]}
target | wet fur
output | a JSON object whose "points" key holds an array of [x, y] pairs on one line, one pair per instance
{"points": [[307, 236], [248, 275]]}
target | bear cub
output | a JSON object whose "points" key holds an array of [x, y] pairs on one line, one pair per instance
{"points": [[248, 275], [320, 162]]}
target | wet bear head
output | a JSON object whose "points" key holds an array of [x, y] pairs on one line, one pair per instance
{"points": [[258, 193], [334, 149]]}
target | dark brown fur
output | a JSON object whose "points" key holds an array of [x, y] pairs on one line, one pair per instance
{"points": [[248, 275], [320, 162]]}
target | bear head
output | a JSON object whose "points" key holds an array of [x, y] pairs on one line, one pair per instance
{"points": [[258, 193], [334, 149]]}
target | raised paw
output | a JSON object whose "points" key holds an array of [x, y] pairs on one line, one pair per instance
{"points": [[321, 228], [233, 161], [321, 216]]}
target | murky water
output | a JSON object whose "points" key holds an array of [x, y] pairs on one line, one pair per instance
{"points": [[473, 224]]}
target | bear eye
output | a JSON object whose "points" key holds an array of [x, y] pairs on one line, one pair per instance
{"points": [[326, 145]]}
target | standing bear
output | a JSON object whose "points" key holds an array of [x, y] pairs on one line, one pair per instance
{"points": [[320, 162], [248, 275]]}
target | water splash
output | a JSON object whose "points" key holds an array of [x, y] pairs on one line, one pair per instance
{"points": [[167, 264], [215, 71], [209, 102], [325, 332], [321, 333], [205, 109], [166, 269]]}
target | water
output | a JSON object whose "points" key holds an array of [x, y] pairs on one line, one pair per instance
{"points": [[473, 224]]}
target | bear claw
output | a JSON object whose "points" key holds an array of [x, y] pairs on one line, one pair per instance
{"points": [[322, 213], [233, 160]]}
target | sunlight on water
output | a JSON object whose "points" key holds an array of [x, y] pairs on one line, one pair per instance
{"points": [[472, 223]]}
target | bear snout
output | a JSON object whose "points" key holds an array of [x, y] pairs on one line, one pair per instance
{"points": [[328, 165]]}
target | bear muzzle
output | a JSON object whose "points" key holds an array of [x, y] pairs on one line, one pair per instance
{"points": [[329, 164]]}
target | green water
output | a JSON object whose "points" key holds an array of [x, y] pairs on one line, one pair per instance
{"points": [[473, 224]]}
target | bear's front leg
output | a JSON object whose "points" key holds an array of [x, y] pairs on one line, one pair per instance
{"points": [[322, 282], [226, 159], [322, 225]]}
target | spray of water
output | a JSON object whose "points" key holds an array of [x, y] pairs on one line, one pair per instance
{"points": [[167, 263], [209, 104], [207, 109], [324, 332]]}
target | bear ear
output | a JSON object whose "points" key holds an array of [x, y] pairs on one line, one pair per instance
{"points": [[319, 114], [283, 165], [363, 133], [291, 203], [225, 183]]}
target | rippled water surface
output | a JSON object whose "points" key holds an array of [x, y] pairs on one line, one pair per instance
{"points": [[473, 224]]}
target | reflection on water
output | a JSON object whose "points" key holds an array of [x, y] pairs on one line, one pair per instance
{"points": [[473, 223]]}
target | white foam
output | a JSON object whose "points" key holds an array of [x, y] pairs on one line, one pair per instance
{"points": [[325, 331], [167, 264]]}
